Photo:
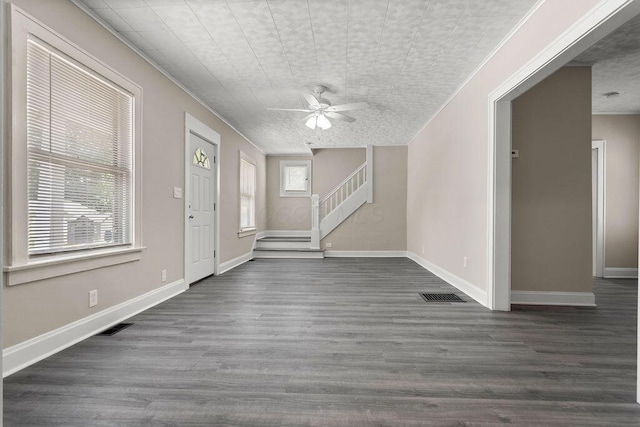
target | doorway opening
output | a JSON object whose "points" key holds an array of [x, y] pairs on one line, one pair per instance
{"points": [[600, 22]]}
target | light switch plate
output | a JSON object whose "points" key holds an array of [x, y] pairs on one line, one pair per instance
{"points": [[177, 193]]}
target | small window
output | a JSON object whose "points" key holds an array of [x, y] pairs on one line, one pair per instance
{"points": [[79, 156], [201, 159], [247, 193], [295, 178]]}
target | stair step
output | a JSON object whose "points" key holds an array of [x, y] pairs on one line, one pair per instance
{"points": [[284, 242], [282, 245], [288, 253], [285, 239]]}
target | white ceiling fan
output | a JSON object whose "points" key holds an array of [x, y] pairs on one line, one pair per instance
{"points": [[321, 110]]}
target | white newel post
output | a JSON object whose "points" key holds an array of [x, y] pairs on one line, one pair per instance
{"points": [[369, 154], [315, 221]]}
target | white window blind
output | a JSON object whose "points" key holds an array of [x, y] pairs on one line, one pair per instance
{"points": [[247, 195], [80, 153], [296, 178]]}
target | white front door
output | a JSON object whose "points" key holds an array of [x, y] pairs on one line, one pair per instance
{"points": [[200, 200]]}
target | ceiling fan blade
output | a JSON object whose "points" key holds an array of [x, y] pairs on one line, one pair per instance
{"points": [[289, 109], [340, 117], [345, 107], [313, 102], [308, 117]]}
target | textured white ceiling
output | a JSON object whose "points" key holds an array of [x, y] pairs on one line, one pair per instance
{"points": [[616, 68], [404, 57]]}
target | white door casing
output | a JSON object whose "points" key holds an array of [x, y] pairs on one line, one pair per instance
{"points": [[598, 210], [201, 204]]}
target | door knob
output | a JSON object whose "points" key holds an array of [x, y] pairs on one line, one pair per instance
{"points": [[191, 217]]}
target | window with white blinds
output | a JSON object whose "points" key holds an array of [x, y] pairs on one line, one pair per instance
{"points": [[79, 156], [247, 194], [295, 178]]}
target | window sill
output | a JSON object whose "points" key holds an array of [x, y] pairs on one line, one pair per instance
{"points": [[247, 232], [307, 195], [69, 264]]}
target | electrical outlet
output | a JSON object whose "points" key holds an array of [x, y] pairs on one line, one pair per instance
{"points": [[93, 298], [163, 275], [328, 245], [423, 250], [465, 262]]}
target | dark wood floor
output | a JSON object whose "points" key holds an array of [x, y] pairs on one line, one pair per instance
{"points": [[342, 342]]}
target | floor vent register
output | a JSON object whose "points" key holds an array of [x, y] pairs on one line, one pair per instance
{"points": [[441, 297]]}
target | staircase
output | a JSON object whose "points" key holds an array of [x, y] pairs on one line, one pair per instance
{"points": [[286, 247], [326, 214]]}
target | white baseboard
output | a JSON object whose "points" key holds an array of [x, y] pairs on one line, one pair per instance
{"points": [[261, 234], [365, 254], [468, 288], [233, 263], [620, 273], [580, 299], [26, 353], [287, 233]]}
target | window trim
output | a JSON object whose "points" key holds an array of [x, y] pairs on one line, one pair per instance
{"points": [[250, 230], [289, 163], [17, 257]]}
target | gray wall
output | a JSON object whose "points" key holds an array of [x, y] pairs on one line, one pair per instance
{"points": [[551, 185]]}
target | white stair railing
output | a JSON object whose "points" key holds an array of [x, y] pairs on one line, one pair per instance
{"points": [[354, 191], [343, 190]]}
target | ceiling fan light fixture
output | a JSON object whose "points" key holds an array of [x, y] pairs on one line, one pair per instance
{"points": [[323, 122], [311, 123]]}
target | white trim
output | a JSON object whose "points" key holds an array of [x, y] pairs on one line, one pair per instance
{"points": [[484, 62], [3, 143], [579, 299], [140, 53], [620, 273], [289, 254], [614, 113], [365, 254], [599, 238], [261, 234], [468, 288], [305, 155], [246, 233], [286, 233], [605, 17], [21, 355], [64, 265], [235, 262], [195, 126]]}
